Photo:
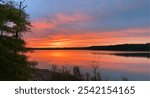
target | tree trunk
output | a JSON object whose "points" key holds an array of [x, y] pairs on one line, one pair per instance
{"points": [[1, 32], [17, 34]]}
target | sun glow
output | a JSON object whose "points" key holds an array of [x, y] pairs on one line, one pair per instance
{"points": [[58, 44]]}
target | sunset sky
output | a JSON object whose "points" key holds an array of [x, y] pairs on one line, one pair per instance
{"points": [[78, 23]]}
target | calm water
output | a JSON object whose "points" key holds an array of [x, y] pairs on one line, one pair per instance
{"points": [[112, 65]]}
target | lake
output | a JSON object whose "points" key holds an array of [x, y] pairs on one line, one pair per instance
{"points": [[111, 64]]}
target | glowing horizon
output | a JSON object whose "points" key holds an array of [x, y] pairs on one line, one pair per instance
{"points": [[87, 23]]}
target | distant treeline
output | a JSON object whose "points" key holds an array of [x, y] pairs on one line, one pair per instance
{"points": [[121, 47]]}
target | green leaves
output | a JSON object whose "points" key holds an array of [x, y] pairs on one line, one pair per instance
{"points": [[14, 64], [10, 13]]}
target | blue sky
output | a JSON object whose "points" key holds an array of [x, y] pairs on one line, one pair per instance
{"points": [[122, 18]]}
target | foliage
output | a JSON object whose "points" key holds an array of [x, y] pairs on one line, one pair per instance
{"points": [[123, 47], [13, 20], [14, 64], [64, 74]]}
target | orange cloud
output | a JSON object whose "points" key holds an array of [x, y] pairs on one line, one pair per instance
{"points": [[89, 38], [40, 25], [54, 23], [41, 37]]}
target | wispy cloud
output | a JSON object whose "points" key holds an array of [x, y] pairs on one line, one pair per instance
{"points": [[88, 22], [91, 38], [63, 18]]}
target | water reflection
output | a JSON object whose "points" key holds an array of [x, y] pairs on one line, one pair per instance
{"points": [[145, 55], [111, 66]]}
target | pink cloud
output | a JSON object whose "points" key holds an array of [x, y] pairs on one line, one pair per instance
{"points": [[40, 25], [62, 18], [54, 21]]}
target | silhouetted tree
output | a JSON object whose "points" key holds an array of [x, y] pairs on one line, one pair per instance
{"points": [[14, 64], [87, 76], [76, 71], [13, 20]]}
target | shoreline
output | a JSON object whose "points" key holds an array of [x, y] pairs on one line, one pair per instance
{"points": [[120, 47]]}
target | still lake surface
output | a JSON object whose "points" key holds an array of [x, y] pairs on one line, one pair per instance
{"points": [[111, 64]]}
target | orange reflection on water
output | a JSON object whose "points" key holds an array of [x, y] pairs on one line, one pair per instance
{"points": [[85, 59]]}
